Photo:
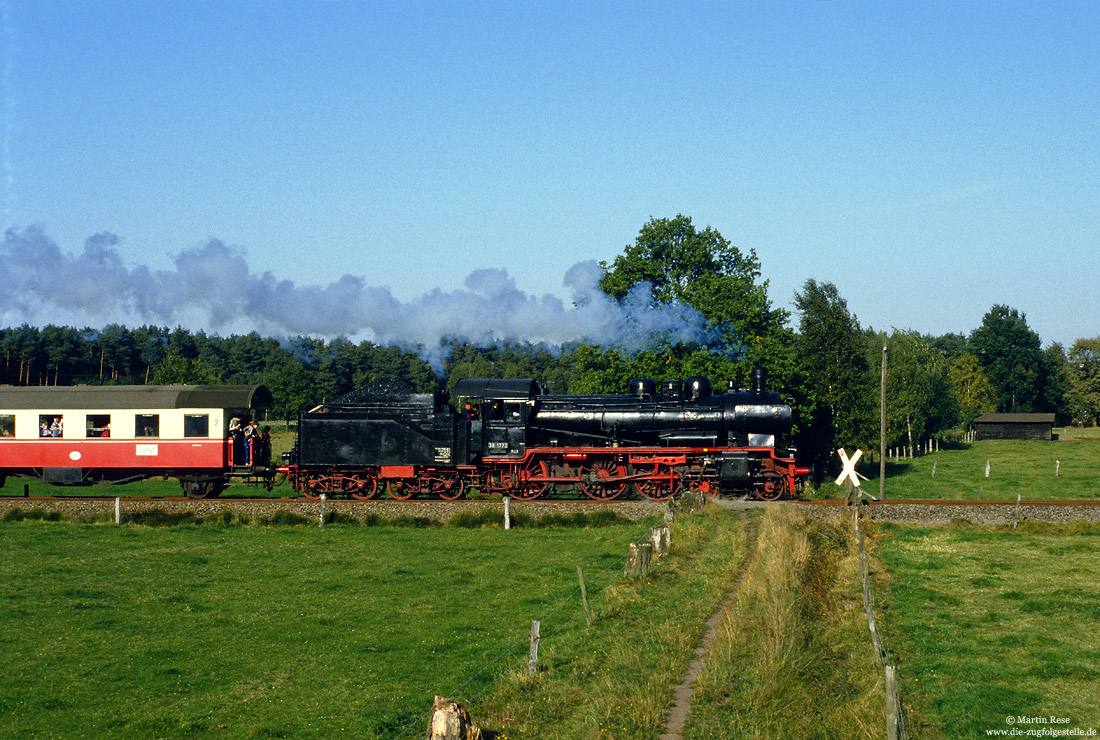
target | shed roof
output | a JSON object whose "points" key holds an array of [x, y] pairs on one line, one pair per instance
{"points": [[56, 397], [1015, 419]]}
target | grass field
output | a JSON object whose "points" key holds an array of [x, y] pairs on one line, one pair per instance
{"points": [[303, 632], [988, 625], [615, 680], [792, 657], [264, 632], [1016, 467], [306, 632]]}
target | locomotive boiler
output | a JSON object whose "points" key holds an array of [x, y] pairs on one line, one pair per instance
{"points": [[676, 415], [653, 441]]}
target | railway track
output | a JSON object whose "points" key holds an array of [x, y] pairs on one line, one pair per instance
{"points": [[582, 501], [934, 512], [949, 502]]}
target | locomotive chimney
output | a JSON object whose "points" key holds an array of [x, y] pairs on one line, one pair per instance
{"points": [[759, 380]]}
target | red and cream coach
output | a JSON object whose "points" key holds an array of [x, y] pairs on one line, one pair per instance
{"points": [[84, 434]]}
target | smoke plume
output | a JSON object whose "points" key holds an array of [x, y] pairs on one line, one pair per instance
{"points": [[212, 288]]}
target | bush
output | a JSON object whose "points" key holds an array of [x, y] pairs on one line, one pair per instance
{"points": [[227, 518], [339, 517], [284, 518], [579, 519], [523, 520], [18, 515], [606, 518], [159, 518]]}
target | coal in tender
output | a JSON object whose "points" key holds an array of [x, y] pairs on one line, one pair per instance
{"points": [[372, 390]]}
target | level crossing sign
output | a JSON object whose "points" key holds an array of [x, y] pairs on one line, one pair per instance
{"points": [[849, 467]]}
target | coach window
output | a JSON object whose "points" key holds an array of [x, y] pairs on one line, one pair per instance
{"points": [[7, 425], [196, 425], [51, 425], [147, 425], [98, 425]]}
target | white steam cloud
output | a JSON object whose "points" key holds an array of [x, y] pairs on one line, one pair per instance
{"points": [[213, 289]]}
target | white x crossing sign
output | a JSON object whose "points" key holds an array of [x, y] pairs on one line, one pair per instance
{"points": [[849, 467]]}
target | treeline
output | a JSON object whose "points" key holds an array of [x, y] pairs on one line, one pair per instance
{"points": [[830, 368], [823, 359], [300, 371]]}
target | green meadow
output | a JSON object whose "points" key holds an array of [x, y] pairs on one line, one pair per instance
{"points": [[1063, 469], [305, 632], [987, 625]]}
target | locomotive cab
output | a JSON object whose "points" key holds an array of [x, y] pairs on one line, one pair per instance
{"points": [[506, 406]]}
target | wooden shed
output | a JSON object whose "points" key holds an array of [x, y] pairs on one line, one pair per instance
{"points": [[1014, 426]]}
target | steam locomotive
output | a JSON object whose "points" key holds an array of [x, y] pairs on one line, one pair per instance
{"points": [[653, 441]]}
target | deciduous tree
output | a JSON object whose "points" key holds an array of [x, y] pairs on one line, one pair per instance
{"points": [[701, 269], [1083, 366], [919, 398], [1012, 358], [973, 392], [831, 353]]}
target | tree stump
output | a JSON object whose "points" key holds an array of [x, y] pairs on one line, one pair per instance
{"points": [[639, 559], [450, 721]]}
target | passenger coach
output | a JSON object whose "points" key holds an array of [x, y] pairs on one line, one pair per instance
{"points": [[83, 434]]}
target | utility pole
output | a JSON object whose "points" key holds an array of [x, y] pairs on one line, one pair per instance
{"points": [[882, 430]]}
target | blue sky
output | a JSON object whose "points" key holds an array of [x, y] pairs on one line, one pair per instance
{"points": [[930, 159]]}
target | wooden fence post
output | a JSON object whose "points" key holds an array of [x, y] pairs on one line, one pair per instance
{"points": [[507, 512], [533, 656], [891, 704], [584, 597], [118, 510], [639, 560], [659, 536]]}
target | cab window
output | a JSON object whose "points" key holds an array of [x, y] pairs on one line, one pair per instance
{"points": [[7, 425], [196, 425]]}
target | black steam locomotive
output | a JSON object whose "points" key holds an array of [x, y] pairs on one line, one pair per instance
{"points": [[518, 441]]}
